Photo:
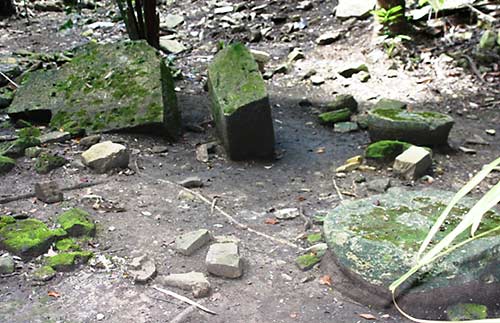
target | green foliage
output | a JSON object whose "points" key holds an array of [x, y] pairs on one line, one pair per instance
{"points": [[388, 17]]}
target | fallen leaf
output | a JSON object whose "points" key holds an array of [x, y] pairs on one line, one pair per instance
{"points": [[301, 198], [271, 221], [325, 280], [368, 316], [52, 293]]}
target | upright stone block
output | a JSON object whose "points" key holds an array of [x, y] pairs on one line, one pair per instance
{"points": [[240, 105], [413, 163]]}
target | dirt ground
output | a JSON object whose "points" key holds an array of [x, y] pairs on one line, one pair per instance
{"points": [[272, 288]]}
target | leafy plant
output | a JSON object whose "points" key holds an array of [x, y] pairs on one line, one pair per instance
{"points": [[471, 220], [388, 17]]}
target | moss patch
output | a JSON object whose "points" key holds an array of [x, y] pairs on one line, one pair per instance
{"points": [[314, 238], [343, 101], [335, 116], [6, 164], [44, 273], [390, 104], [467, 311], [402, 115], [67, 244], [77, 223], [69, 261], [386, 149], [47, 162], [307, 261]]}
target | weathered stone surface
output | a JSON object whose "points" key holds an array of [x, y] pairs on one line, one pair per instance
{"points": [[6, 96], [332, 117], [54, 136], [343, 101], [328, 38], [385, 150], [345, 127], [413, 163], [171, 45], [223, 260], [419, 128], [467, 311], [348, 8], [104, 87], [375, 240], [488, 40], [76, 223], [33, 152], [390, 104], [10, 66], [379, 185], [89, 141], [287, 214], [240, 104], [46, 162], [48, 192], [352, 68], [192, 281], [189, 242], [105, 156], [44, 274], [6, 264], [143, 269], [172, 21], [6, 164], [191, 182]]}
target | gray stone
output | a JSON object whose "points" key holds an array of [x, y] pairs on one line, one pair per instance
{"points": [[143, 269], [6, 96], [352, 68], [420, 128], [345, 127], [363, 76], [343, 101], [6, 264], [223, 260], [189, 242], [10, 66], [413, 163], [54, 136], [48, 192], [191, 182], [358, 9], [223, 10], [49, 5], [374, 242], [287, 214], [296, 54], [261, 57], [488, 40], [33, 152], [171, 45], [89, 141], [390, 104], [192, 281], [328, 38], [105, 156], [202, 153], [240, 105], [172, 21], [379, 185], [44, 274], [317, 80]]}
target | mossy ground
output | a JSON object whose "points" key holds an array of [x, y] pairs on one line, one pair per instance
{"points": [[307, 261], [77, 223], [67, 244], [467, 311], [314, 238]]}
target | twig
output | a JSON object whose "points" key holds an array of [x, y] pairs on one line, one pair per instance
{"points": [[184, 299], [212, 207], [481, 14], [30, 195], [307, 221], [339, 193], [9, 80]]}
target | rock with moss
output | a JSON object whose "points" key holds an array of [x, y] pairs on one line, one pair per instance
{"points": [[10, 66], [69, 261], [240, 104], [6, 219], [386, 150], [67, 244], [76, 223], [27, 137], [488, 40], [332, 117], [466, 312], [343, 101], [375, 241], [28, 238], [104, 87], [43, 274], [6, 164], [420, 128], [47, 162], [6, 96]]}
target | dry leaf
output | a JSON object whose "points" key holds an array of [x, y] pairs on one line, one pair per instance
{"points": [[368, 316], [271, 221], [52, 293], [325, 280]]}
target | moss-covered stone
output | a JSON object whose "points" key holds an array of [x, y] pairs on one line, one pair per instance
{"points": [[6, 219], [44, 273], [28, 238], [76, 223], [67, 245], [27, 137], [343, 101], [488, 40], [332, 117], [69, 261], [314, 238], [47, 162], [6, 96], [104, 87], [6, 164], [386, 150], [467, 311], [33, 152], [307, 261]]}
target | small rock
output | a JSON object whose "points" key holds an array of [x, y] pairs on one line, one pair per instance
{"points": [[317, 80], [100, 317], [363, 76], [171, 45], [488, 40], [413, 163], [159, 149], [202, 153], [467, 150], [186, 196], [296, 54], [189, 242], [261, 57], [223, 10], [350, 69], [348, 8], [191, 182], [343, 101], [48, 192], [144, 269], [33, 152], [223, 260], [287, 214], [193, 281], [54, 136], [281, 69], [491, 132], [379, 185], [172, 21], [346, 126], [6, 264], [44, 274], [307, 261], [328, 38], [105, 156], [47, 162], [332, 117], [89, 141], [305, 5]]}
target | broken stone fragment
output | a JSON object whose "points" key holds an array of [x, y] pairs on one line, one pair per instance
{"points": [[343, 101], [261, 57], [345, 127], [223, 260], [54, 136], [48, 192], [350, 69], [44, 273], [296, 54], [379, 185], [287, 214], [105, 156], [33, 152], [358, 9], [332, 117], [240, 105], [171, 21], [189, 242], [413, 163], [386, 150], [47, 162], [143, 269], [89, 141], [171, 45], [192, 281], [307, 261], [328, 38], [191, 182]]}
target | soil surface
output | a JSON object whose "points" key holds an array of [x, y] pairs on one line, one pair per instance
{"points": [[139, 210]]}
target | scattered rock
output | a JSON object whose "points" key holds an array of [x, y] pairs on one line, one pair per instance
{"points": [[47, 162], [287, 214], [386, 150], [240, 104], [296, 54], [48, 192], [193, 281], [7, 265], [171, 45], [44, 273], [358, 9], [379, 185], [467, 150], [105, 156], [261, 57], [49, 5], [33, 152], [413, 163], [477, 140], [223, 10], [363, 76], [189, 242], [89, 141], [54, 136], [328, 38], [343, 101], [6, 164], [69, 261], [317, 80], [191, 182], [350, 69], [305, 5], [202, 153], [345, 127], [491, 132], [76, 223], [143, 269], [223, 260], [467, 312]]}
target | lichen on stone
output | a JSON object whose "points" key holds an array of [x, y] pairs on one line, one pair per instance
{"points": [[67, 244]]}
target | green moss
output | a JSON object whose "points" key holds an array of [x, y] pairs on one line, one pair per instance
{"points": [[467, 311], [332, 117], [402, 115], [314, 238], [77, 223], [68, 261], [44, 273], [67, 244], [386, 149], [28, 238], [47, 162], [6, 164], [307, 261], [6, 219]]}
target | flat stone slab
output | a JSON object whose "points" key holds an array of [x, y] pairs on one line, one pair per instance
{"points": [[374, 241], [425, 128], [105, 156], [189, 242], [223, 259], [240, 104], [104, 87], [192, 281], [348, 8]]}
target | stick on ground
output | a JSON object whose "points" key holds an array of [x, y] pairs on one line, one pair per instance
{"points": [[184, 299]]}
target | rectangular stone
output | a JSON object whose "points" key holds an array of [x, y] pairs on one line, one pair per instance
{"points": [[223, 260], [413, 163], [240, 105], [189, 242], [48, 192]]}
